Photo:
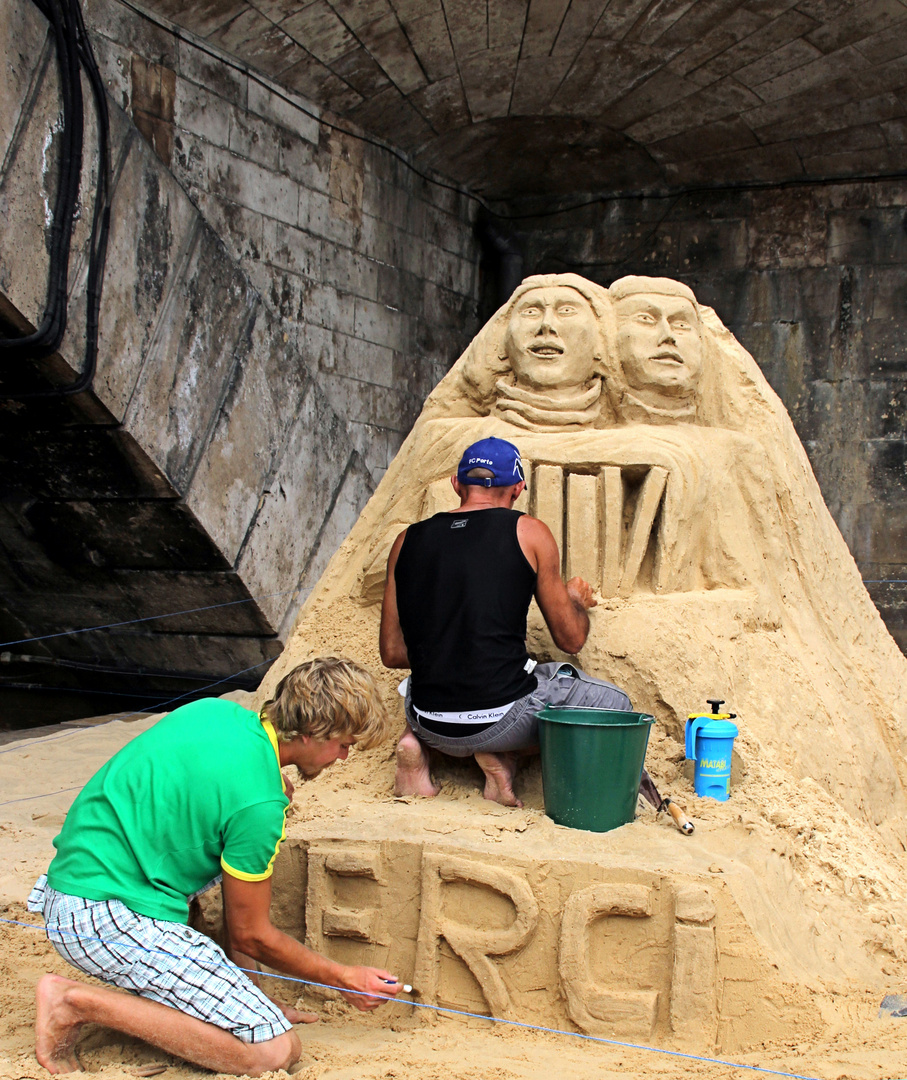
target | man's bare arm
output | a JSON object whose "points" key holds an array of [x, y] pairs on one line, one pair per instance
{"points": [[252, 968], [390, 640], [562, 605], [250, 931]]}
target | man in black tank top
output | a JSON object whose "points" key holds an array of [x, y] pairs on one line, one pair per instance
{"points": [[456, 598]]}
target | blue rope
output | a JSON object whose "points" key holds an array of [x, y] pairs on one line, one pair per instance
{"points": [[436, 1008], [44, 795], [147, 618], [199, 690], [248, 600], [81, 690], [123, 716]]}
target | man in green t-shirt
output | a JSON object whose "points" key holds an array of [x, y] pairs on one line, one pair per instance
{"points": [[198, 796]]}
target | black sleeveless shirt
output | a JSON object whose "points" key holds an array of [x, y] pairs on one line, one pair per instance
{"points": [[463, 591]]}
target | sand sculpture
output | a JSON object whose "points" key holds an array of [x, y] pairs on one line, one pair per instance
{"points": [[674, 922], [677, 485], [674, 481]]}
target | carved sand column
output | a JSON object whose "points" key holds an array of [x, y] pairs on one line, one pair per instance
{"points": [[612, 528], [548, 499], [584, 523], [647, 504], [472, 945]]}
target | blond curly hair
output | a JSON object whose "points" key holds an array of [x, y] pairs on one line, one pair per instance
{"points": [[329, 698]]}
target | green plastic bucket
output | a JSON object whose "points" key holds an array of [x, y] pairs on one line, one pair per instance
{"points": [[592, 762]]}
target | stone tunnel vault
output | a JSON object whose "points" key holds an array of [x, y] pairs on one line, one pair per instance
{"points": [[93, 532], [204, 469]]}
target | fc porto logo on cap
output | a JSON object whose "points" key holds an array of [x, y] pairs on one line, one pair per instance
{"points": [[498, 459]]}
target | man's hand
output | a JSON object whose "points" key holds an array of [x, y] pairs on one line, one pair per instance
{"points": [[581, 593], [369, 980], [563, 606]]}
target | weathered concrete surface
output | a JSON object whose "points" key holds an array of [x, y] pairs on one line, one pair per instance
{"points": [[209, 464], [605, 97], [371, 270], [148, 247], [25, 193]]}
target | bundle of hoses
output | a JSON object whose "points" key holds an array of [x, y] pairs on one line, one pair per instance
{"points": [[73, 52]]}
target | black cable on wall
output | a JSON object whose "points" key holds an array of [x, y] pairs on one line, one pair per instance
{"points": [[74, 52]]}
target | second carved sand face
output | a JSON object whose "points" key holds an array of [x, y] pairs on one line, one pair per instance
{"points": [[659, 345]]}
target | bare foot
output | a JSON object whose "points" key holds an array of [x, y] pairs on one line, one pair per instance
{"points": [[297, 1016], [499, 770], [413, 777], [57, 1025]]}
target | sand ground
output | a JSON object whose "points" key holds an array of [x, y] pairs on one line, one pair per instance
{"points": [[847, 1039]]}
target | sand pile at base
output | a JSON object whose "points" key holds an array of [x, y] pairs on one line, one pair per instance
{"points": [[806, 875]]}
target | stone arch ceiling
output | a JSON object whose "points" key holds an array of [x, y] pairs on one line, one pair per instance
{"points": [[514, 98]]}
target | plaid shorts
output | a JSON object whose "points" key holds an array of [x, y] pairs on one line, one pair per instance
{"points": [[165, 961]]}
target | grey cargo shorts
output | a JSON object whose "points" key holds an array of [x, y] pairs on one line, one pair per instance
{"points": [[518, 729]]}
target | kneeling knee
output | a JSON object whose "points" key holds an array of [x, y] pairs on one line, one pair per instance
{"points": [[279, 1053]]}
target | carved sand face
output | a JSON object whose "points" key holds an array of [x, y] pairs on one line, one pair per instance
{"points": [[551, 339], [659, 343]]}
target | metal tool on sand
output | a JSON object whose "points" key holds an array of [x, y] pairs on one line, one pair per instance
{"points": [[650, 792]]}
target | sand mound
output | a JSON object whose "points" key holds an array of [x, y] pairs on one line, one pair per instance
{"points": [[354, 874], [720, 573]]}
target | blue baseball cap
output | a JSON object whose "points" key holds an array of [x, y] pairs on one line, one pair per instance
{"points": [[498, 456]]}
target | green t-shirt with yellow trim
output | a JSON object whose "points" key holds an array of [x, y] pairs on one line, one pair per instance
{"points": [[198, 793]]}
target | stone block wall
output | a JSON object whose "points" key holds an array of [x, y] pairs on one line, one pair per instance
{"points": [[279, 299], [812, 279], [370, 269]]}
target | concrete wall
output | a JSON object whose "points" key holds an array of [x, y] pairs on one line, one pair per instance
{"points": [[370, 269], [281, 297], [278, 301], [813, 281]]}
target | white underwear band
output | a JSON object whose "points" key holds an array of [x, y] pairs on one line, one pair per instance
{"points": [[466, 716]]}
